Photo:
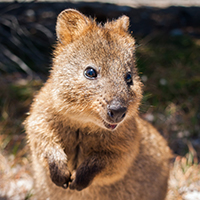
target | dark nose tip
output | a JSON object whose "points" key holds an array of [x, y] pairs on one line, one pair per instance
{"points": [[116, 113]]}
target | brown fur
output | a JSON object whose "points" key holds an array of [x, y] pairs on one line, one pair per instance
{"points": [[76, 154]]}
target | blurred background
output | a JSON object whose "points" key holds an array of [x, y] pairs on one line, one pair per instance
{"points": [[167, 37]]}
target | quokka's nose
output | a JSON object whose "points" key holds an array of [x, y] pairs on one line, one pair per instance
{"points": [[116, 112]]}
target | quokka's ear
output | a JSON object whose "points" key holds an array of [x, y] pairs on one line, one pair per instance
{"points": [[121, 24], [70, 24]]}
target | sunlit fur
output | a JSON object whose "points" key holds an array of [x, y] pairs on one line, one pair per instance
{"points": [[67, 120]]}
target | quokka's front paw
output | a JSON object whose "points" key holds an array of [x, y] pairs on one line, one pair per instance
{"points": [[60, 174], [79, 181], [85, 174]]}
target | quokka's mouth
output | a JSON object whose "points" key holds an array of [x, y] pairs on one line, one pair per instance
{"points": [[109, 126]]}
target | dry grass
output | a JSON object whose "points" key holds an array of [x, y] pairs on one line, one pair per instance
{"points": [[16, 94], [16, 181], [184, 182], [169, 68]]}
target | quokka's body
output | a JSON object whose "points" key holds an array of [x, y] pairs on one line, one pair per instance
{"points": [[86, 137]]}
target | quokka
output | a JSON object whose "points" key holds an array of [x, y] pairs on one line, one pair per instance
{"points": [[86, 137]]}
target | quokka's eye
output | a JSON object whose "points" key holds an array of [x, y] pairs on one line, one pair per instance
{"points": [[128, 79], [90, 73]]}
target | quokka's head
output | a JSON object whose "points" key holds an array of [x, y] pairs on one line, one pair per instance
{"points": [[94, 79]]}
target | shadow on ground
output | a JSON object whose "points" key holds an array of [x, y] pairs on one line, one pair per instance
{"points": [[27, 30]]}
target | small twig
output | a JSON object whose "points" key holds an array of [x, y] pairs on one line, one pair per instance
{"points": [[17, 60]]}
